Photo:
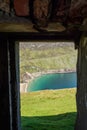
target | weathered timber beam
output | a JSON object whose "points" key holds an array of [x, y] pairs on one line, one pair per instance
{"points": [[9, 85], [15, 89]]}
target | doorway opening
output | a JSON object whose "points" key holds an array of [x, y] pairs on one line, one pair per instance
{"points": [[47, 109]]}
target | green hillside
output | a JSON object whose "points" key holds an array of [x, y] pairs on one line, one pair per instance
{"points": [[47, 58]]}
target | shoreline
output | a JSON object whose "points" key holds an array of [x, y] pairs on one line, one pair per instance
{"points": [[52, 72]]}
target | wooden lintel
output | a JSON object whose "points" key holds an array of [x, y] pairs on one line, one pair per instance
{"points": [[27, 36]]}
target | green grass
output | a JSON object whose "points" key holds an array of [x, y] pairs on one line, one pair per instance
{"points": [[48, 110]]}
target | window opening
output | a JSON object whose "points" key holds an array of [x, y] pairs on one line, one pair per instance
{"points": [[47, 108]]}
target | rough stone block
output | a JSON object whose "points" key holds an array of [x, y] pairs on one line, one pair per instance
{"points": [[78, 11], [5, 5], [41, 11], [21, 7]]}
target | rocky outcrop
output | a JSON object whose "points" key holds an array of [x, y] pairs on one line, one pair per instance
{"points": [[26, 77], [23, 87]]}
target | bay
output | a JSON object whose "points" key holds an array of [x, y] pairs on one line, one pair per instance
{"points": [[53, 81]]}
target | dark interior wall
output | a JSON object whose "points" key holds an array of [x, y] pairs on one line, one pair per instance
{"points": [[4, 87], [42, 11]]}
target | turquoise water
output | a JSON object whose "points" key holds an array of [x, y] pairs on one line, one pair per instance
{"points": [[53, 81]]}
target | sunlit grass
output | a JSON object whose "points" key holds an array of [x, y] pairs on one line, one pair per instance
{"points": [[48, 110]]}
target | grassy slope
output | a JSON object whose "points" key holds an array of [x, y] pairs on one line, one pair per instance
{"points": [[48, 110]]}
